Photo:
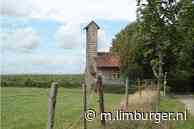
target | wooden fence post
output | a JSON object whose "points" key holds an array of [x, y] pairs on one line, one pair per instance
{"points": [[100, 90], [126, 92], [146, 84], [152, 85], [139, 86], [51, 105], [165, 81], [158, 98], [84, 105]]}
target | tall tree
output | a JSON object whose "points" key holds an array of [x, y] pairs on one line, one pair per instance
{"points": [[157, 18], [185, 26], [127, 47], [162, 40]]}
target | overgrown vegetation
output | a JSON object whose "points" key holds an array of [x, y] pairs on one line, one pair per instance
{"points": [[161, 40], [169, 104]]}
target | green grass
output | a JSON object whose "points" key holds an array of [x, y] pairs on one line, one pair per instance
{"points": [[169, 104], [26, 108]]}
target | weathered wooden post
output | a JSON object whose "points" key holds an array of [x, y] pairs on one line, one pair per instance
{"points": [[165, 82], [146, 84], [84, 104], [152, 84], [158, 95], [126, 92], [51, 104], [100, 90], [139, 86]]}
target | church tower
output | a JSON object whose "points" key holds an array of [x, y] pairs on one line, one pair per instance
{"points": [[91, 52]]}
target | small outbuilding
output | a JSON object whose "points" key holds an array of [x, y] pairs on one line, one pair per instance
{"points": [[105, 64]]}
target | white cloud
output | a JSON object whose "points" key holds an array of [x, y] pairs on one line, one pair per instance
{"points": [[19, 40], [73, 13], [73, 10], [16, 8], [73, 36], [68, 36], [51, 64], [103, 42], [53, 59]]}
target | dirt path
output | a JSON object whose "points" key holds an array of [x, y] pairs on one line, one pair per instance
{"points": [[188, 101]]}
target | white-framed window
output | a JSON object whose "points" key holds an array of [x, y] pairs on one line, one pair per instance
{"points": [[115, 75]]}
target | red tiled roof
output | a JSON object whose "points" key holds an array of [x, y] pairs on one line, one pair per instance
{"points": [[107, 60]]}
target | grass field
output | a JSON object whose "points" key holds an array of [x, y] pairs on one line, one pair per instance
{"points": [[26, 108]]}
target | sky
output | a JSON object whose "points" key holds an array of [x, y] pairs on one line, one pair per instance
{"points": [[47, 36]]}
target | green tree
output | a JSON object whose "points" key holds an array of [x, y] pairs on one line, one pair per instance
{"points": [[157, 20], [162, 40], [126, 45], [185, 26]]}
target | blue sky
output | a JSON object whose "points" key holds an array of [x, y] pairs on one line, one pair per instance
{"points": [[41, 37]]}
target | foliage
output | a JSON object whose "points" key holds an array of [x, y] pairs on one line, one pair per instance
{"points": [[157, 19], [161, 40], [41, 81], [126, 46], [185, 26]]}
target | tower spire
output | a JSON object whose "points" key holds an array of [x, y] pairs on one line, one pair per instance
{"points": [[91, 51]]}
